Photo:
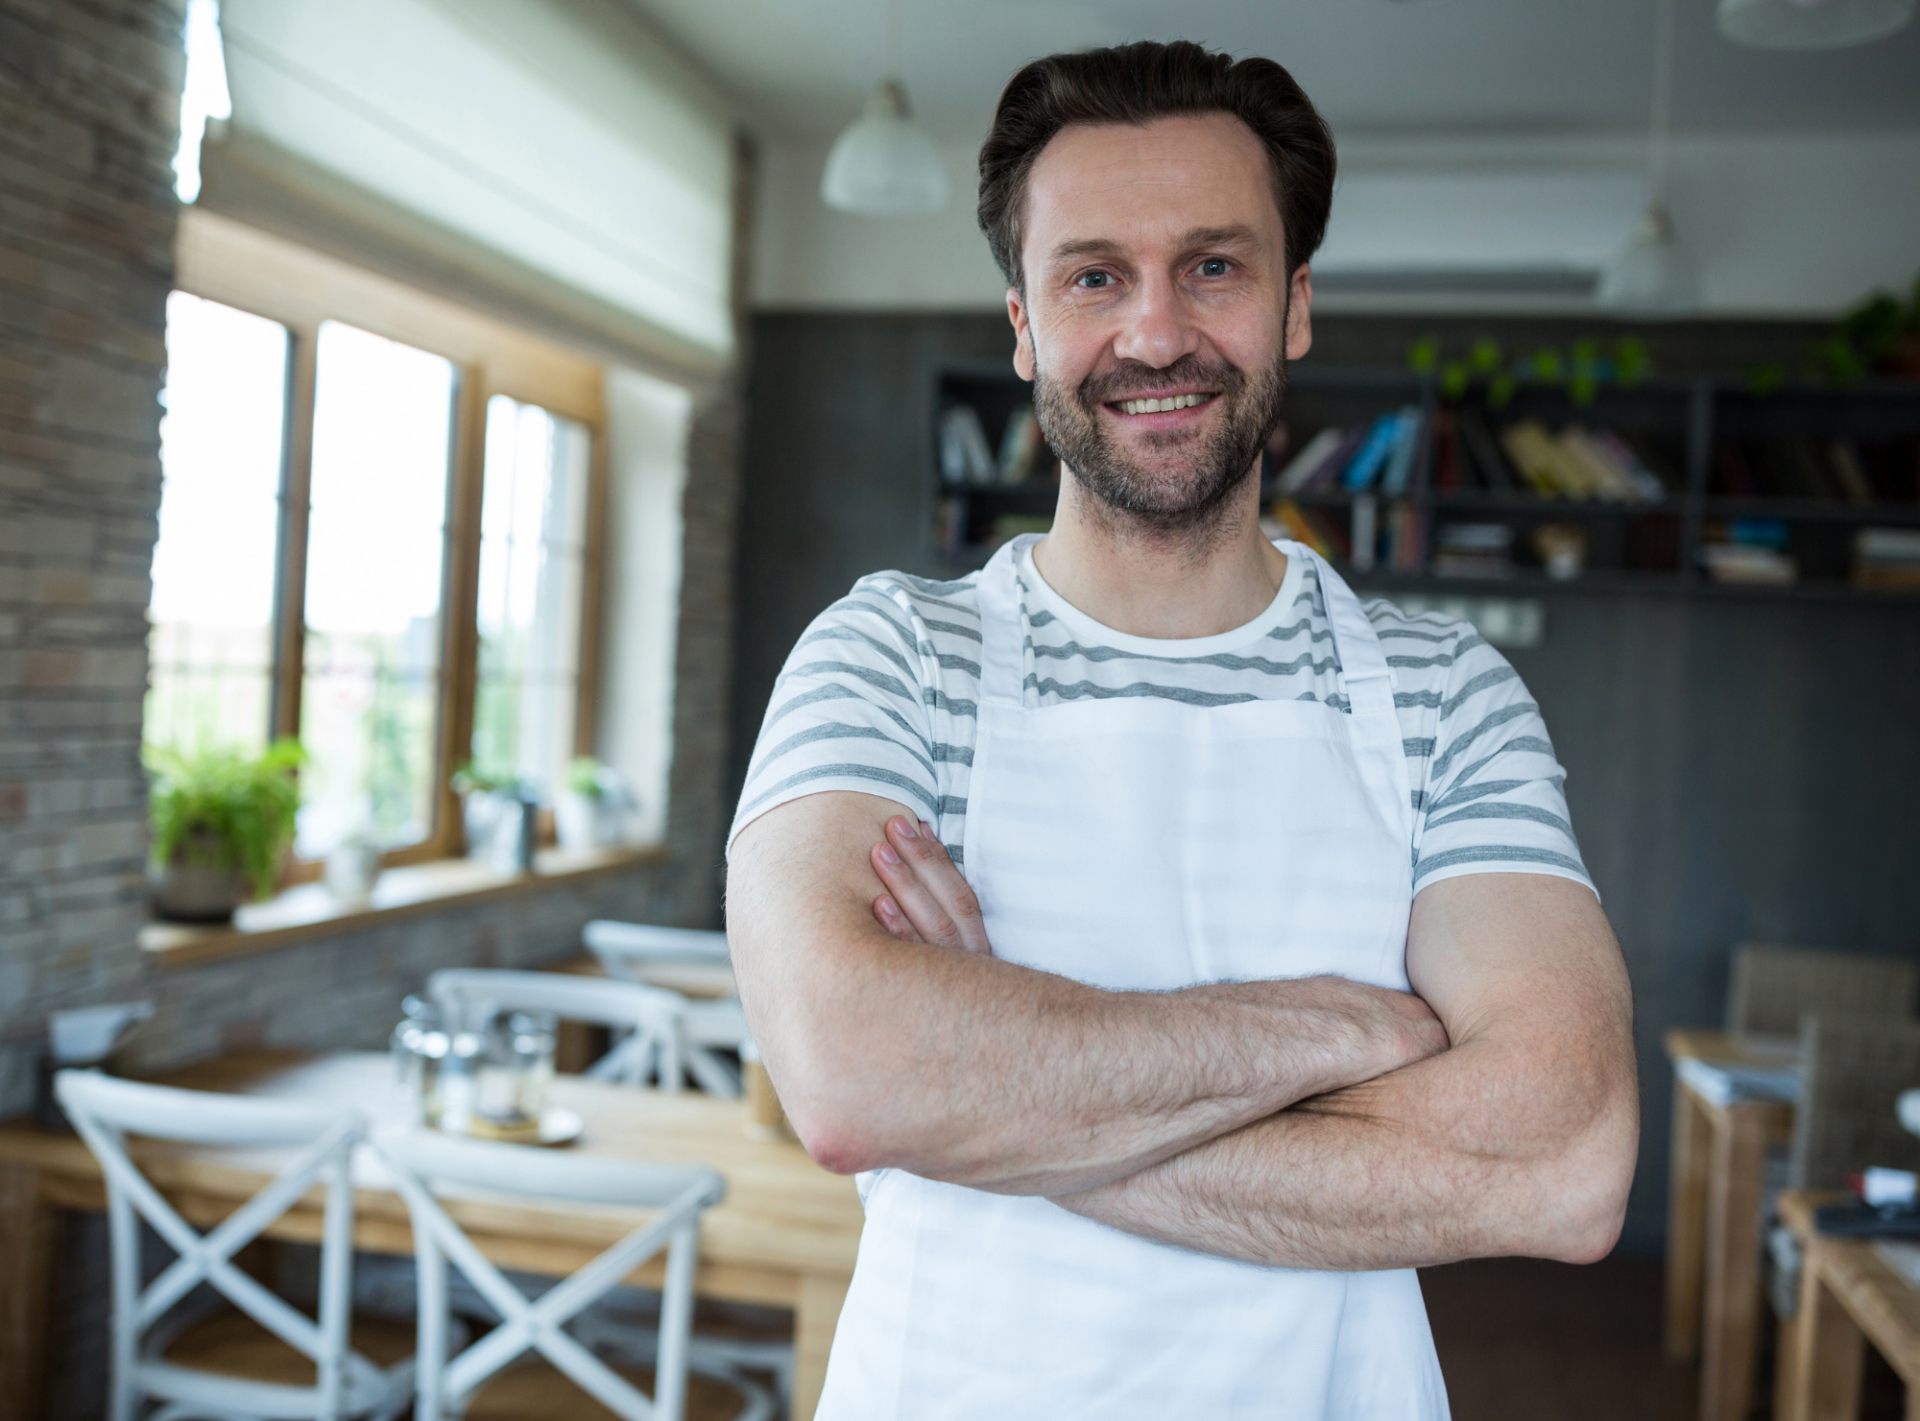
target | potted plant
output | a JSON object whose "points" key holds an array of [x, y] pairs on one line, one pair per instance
{"points": [[592, 811], [496, 811], [222, 821]]}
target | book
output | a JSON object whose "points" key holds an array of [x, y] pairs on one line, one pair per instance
{"points": [[1723, 1082], [1304, 465], [1843, 458], [964, 455], [1406, 444], [1365, 537], [1491, 464], [1473, 550], [1631, 463], [1371, 457], [1293, 519], [1736, 475], [1541, 462], [1447, 470], [1887, 559], [1020, 446]]}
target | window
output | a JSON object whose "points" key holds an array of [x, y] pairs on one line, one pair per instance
{"points": [[533, 528], [374, 536], [221, 443]]}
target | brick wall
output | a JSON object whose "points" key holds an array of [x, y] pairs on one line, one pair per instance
{"points": [[89, 98]]}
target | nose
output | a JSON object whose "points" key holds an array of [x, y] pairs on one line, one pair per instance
{"points": [[1157, 329]]}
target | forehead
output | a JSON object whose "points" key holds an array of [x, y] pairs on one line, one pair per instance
{"points": [[1138, 184]]}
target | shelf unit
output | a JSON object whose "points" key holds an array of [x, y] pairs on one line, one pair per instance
{"points": [[1679, 427]]}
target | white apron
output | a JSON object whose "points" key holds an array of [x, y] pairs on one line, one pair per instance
{"points": [[1146, 843]]}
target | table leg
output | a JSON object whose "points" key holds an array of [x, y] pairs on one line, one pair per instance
{"points": [[816, 1316], [1732, 1304], [1686, 1222], [1822, 1381], [27, 1239]]}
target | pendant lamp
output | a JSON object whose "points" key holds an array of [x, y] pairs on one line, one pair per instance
{"points": [[885, 164], [1811, 24], [1653, 275]]}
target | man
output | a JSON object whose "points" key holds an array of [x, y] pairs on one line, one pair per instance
{"points": [[1147, 1119]]}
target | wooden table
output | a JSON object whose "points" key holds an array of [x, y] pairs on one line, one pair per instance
{"points": [[786, 1235], [1715, 1186], [1848, 1296]]}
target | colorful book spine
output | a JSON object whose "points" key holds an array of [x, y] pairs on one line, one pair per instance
{"points": [[1372, 456]]}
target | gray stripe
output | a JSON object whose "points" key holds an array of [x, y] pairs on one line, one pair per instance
{"points": [[1086, 690], [928, 588], [1460, 742], [1293, 629], [1225, 661], [855, 634], [958, 663], [945, 754], [847, 772], [938, 699], [1558, 777], [970, 633], [1414, 663], [1466, 793], [1500, 810], [834, 732], [1407, 633], [879, 680], [1486, 680], [1408, 700], [883, 609], [1417, 747], [1498, 853], [834, 691]]}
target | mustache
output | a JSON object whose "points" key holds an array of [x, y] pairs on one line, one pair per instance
{"points": [[1133, 379]]}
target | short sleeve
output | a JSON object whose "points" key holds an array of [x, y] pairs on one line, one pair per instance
{"points": [[1495, 799], [848, 713]]}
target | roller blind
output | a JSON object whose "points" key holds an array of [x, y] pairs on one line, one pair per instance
{"points": [[549, 132]]}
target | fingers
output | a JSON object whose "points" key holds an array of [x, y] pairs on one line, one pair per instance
{"points": [[927, 888], [887, 913]]}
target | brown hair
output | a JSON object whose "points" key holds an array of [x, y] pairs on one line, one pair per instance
{"points": [[1137, 83]]}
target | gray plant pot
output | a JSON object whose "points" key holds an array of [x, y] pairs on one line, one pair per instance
{"points": [[186, 891]]}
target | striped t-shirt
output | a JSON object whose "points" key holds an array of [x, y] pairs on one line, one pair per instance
{"points": [[880, 697]]}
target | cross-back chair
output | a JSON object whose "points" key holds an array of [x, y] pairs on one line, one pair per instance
{"points": [[1772, 988], [471, 1383], [152, 1335], [659, 1035]]}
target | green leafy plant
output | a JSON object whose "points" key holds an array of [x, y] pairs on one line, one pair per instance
{"points": [[583, 777], [224, 809], [469, 780], [1581, 371], [1879, 336]]}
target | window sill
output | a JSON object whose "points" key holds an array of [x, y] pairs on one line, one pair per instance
{"points": [[309, 912]]}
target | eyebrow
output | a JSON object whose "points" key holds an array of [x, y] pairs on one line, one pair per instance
{"points": [[1198, 237]]}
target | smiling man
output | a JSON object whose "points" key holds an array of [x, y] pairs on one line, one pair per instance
{"points": [[1180, 949]]}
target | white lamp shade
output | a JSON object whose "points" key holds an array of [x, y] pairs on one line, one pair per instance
{"points": [[1652, 275], [1811, 24], [885, 164]]}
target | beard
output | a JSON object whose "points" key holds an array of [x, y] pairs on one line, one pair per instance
{"points": [[1188, 492]]}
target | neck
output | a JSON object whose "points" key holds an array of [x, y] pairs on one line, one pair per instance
{"points": [[1151, 583]]}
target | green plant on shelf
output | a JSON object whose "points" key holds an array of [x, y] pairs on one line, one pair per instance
{"points": [[224, 809], [1880, 336], [1582, 371]]}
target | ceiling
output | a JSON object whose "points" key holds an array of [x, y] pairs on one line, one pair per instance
{"points": [[799, 69]]}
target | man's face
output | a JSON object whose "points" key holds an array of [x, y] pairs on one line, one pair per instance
{"points": [[1156, 271]]}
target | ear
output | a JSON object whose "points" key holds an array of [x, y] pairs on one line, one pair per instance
{"points": [[1300, 312], [1022, 335]]}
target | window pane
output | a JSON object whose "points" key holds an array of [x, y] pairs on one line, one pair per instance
{"points": [[383, 419], [221, 444], [532, 560]]}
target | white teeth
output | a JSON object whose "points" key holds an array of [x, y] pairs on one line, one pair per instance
{"points": [[1172, 402]]}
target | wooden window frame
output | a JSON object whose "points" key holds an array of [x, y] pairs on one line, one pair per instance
{"points": [[266, 275]]}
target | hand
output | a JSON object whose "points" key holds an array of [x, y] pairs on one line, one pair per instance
{"points": [[926, 900]]}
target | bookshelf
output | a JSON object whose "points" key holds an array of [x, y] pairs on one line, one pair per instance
{"points": [[1734, 466]]}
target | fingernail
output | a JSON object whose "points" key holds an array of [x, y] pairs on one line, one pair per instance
{"points": [[888, 908], [887, 853], [907, 830], [926, 828]]}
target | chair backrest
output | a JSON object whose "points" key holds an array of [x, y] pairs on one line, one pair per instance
{"points": [[1773, 987], [614, 942], [650, 1040], [105, 1111], [1848, 1115], [681, 1193]]}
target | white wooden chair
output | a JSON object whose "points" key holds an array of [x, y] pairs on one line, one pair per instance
{"points": [[470, 1384], [660, 1036], [154, 1341], [619, 946]]}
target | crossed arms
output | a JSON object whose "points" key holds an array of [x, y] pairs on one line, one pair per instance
{"points": [[1314, 1123]]}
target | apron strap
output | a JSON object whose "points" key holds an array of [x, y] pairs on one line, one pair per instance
{"points": [[1363, 664], [1003, 631]]}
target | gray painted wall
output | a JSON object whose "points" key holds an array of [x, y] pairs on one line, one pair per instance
{"points": [[1739, 768]]}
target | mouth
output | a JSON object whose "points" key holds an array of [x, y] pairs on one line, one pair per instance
{"points": [[1171, 404]]}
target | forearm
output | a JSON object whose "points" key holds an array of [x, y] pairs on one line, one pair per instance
{"points": [[1487, 1149], [956, 1066]]}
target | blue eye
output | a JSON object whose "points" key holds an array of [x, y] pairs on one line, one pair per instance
{"points": [[1096, 279], [1213, 266]]}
